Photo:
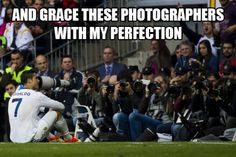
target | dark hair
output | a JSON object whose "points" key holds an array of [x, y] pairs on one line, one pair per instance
{"points": [[188, 43], [209, 50], [7, 18], [93, 72], [109, 47], [13, 82], [27, 75], [177, 47], [14, 52], [229, 42], [66, 56]]}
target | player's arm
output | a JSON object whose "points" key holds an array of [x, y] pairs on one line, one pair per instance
{"points": [[50, 103]]}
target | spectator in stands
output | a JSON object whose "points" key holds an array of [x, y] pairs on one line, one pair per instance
{"points": [[228, 52], [50, 3], [17, 3], [109, 67], [208, 34], [15, 70], [206, 60], [10, 88], [187, 53], [1, 87], [228, 25], [3, 43], [38, 28], [8, 15], [161, 56], [6, 4], [176, 55], [29, 3], [70, 4], [41, 63], [19, 37], [17, 67]]}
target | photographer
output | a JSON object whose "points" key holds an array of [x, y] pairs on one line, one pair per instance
{"points": [[181, 94], [108, 106], [90, 96], [123, 103], [213, 110], [152, 110], [227, 101], [69, 95], [135, 73]]}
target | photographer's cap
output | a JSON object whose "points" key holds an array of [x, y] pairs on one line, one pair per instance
{"points": [[133, 68], [147, 71]]}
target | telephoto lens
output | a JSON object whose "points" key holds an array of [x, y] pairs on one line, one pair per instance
{"points": [[110, 89], [153, 86], [138, 85], [91, 81], [123, 83]]}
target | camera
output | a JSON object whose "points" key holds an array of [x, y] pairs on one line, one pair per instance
{"points": [[174, 91], [138, 85], [153, 86], [110, 89], [123, 83], [46, 82], [91, 81], [213, 93]]}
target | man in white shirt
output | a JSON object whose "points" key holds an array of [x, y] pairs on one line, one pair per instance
{"points": [[24, 107]]}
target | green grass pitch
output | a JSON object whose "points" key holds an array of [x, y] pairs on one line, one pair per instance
{"points": [[119, 149]]}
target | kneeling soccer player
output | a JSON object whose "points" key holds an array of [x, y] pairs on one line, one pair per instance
{"points": [[24, 107]]}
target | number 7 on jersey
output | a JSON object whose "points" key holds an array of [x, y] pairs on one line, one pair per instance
{"points": [[18, 100]]}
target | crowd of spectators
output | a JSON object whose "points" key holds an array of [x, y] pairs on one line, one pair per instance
{"points": [[188, 94], [19, 35]]}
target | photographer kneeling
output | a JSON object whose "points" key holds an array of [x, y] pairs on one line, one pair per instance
{"points": [[124, 105], [152, 110]]}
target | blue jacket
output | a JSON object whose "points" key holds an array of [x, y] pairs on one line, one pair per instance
{"points": [[213, 64], [116, 69]]}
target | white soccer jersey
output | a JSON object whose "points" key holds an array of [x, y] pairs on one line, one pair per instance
{"points": [[23, 109]]}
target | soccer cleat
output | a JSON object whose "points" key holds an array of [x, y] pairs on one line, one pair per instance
{"points": [[73, 139], [55, 139]]}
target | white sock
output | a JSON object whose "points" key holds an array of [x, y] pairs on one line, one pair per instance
{"points": [[62, 127], [45, 124]]}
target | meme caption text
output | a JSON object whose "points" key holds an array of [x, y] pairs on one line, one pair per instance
{"points": [[116, 15]]}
